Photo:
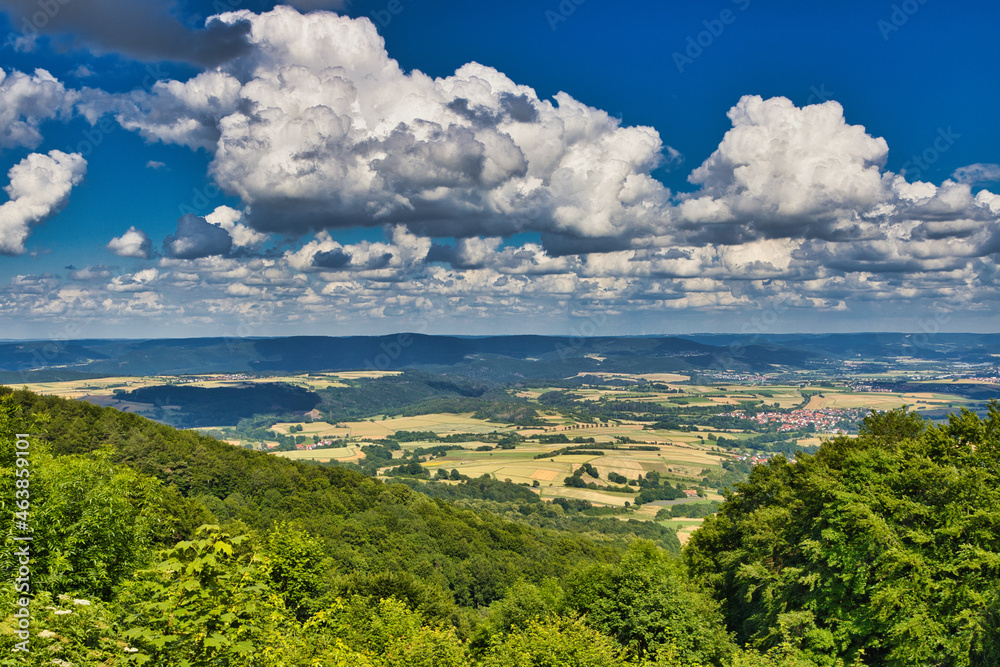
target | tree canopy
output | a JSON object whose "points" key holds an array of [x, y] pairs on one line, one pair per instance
{"points": [[883, 548]]}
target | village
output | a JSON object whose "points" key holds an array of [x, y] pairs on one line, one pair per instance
{"points": [[822, 420]]}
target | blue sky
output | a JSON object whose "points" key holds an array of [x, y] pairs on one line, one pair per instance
{"points": [[543, 167]]}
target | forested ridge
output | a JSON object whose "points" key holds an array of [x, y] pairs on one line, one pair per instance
{"points": [[165, 547]]}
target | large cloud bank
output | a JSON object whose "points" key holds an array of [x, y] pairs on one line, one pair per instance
{"points": [[317, 130]]}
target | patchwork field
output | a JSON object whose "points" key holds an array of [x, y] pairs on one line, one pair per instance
{"points": [[82, 388], [682, 458], [106, 386], [442, 424], [881, 401], [325, 455]]}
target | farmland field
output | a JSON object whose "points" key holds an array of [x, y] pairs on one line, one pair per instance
{"points": [[324, 455], [441, 424], [621, 446], [878, 401], [322, 429]]}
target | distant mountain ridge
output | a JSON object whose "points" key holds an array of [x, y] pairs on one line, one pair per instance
{"points": [[510, 356]]}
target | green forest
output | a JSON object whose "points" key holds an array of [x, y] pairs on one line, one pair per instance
{"points": [[156, 546]]}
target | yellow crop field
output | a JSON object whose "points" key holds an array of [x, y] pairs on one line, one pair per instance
{"points": [[106, 386], [304, 381], [324, 455], [619, 464], [96, 387], [879, 401], [441, 424], [664, 377], [594, 496], [356, 375]]}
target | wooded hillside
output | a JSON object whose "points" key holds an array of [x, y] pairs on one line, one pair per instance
{"points": [[157, 546]]}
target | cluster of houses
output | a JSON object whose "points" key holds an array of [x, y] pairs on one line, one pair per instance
{"points": [[823, 419], [309, 445], [749, 378], [869, 386], [212, 378], [756, 458]]}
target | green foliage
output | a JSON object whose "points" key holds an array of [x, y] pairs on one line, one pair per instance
{"points": [[882, 548], [510, 412], [76, 631], [648, 606], [362, 523], [298, 566], [663, 493], [383, 633], [522, 603], [209, 602], [481, 488], [210, 406], [554, 642], [411, 469], [892, 426], [414, 436], [696, 510], [93, 523], [434, 604]]}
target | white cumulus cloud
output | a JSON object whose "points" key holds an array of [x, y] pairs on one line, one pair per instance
{"points": [[26, 101], [39, 187], [229, 219], [317, 127], [133, 243], [785, 166]]}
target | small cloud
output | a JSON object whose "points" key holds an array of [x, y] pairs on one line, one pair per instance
{"points": [[133, 243], [196, 238], [140, 281], [977, 173], [672, 157], [98, 272], [82, 72], [228, 218], [23, 43], [155, 164]]}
